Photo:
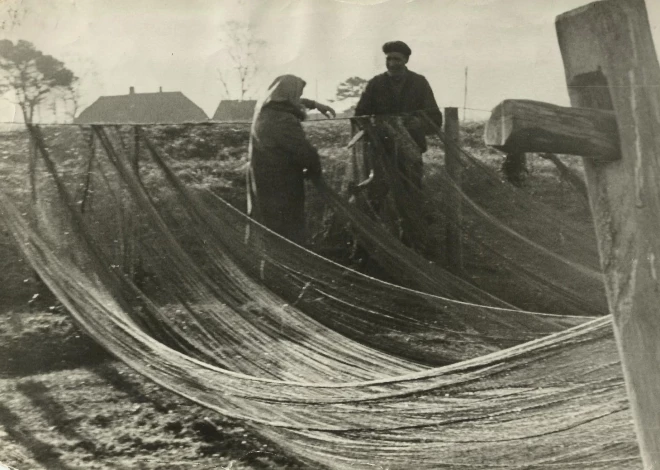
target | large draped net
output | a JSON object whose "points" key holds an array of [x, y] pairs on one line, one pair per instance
{"points": [[551, 262], [341, 369]]}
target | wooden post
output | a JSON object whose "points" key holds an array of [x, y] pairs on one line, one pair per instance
{"points": [[88, 175], [515, 167], [454, 170], [357, 151], [136, 152], [611, 63]]}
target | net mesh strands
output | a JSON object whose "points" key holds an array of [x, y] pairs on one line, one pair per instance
{"points": [[562, 397], [374, 312], [549, 263], [354, 306], [208, 331], [249, 317], [561, 252]]}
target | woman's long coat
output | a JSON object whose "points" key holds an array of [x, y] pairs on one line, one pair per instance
{"points": [[279, 154]]}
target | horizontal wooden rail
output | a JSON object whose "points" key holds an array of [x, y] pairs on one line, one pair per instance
{"points": [[524, 126]]}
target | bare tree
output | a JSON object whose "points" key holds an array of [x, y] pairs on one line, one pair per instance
{"points": [[242, 49], [12, 13]]}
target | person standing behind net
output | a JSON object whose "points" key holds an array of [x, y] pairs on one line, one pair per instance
{"points": [[402, 91], [281, 157]]}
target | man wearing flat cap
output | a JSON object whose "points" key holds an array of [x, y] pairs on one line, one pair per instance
{"points": [[400, 90]]}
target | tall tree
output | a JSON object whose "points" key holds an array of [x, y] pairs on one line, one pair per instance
{"points": [[242, 49], [351, 88], [349, 91], [31, 75]]}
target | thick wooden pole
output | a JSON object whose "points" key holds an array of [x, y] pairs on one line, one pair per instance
{"points": [[455, 172], [355, 148], [514, 167], [524, 126], [611, 63]]}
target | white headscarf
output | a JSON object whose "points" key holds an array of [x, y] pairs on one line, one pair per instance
{"points": [[285, 88]]}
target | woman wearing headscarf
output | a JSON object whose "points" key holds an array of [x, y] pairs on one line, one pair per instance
{"points": [[281, 158]]}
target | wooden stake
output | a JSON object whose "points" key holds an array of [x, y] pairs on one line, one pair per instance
{"points": [[455, 172], [611, 63], [136, 152], [465, 93]]}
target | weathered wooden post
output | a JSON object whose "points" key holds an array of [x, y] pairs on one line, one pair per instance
{"points": [[454, 169], [612, 74], [514, 167], [88, 174], [133, 258], [356, 148], [611, 63], [135, 162]]}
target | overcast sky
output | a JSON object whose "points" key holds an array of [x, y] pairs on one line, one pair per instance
{"points": [[509, 46]]}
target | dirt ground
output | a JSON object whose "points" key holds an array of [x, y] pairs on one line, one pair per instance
{"points": [[66, 404]]}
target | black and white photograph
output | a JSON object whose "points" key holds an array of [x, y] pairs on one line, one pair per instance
{"points": [[329, 234]]}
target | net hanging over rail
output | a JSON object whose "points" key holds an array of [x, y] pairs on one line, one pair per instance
{"points": [[549, 263], [360, 307], [210, 332], [376, 313]]}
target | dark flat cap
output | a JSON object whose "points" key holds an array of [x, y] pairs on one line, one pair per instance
{"points": [[397, 46]]}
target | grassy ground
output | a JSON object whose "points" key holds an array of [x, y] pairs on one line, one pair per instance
{"points": [[66, 404]]}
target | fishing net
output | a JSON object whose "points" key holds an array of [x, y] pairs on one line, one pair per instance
{"points": [[319, 361], [362, 308], [530, 254], [476, 414]]}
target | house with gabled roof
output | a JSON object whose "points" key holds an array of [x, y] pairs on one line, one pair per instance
{"points": [[235, 110], [171, 107]]}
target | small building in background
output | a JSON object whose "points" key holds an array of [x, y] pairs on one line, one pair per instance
{"points": [[235, 110], [171, 107]]}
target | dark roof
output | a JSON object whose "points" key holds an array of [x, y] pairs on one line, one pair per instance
{"points": [[234, 110], [162, 107]]}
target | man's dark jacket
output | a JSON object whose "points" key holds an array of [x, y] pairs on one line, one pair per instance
{"points": [[380, 97]]}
